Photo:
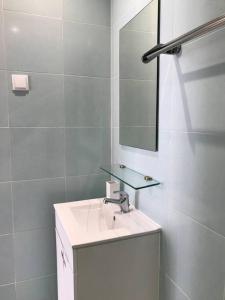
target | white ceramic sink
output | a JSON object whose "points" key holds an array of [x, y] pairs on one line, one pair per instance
{"points": [[92, 221]]}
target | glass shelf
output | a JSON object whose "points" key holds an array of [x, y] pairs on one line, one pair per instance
{"points": [[130, 177]]}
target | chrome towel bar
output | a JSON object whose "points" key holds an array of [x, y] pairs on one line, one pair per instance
{"points": [[174, 46]]}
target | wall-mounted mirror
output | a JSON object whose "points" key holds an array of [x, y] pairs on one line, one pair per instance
{"points": [[139, 82]]}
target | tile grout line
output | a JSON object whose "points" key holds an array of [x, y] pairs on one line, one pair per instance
{"points": [[138, 80], [48, 178], [54, 74], [6, 234], [87, 76], [10, 144], [180, 131], [200, 224], [177, 286], [64, 102], [113, 81], [28, 280], [50, 227], [59, 127], [224, 292], [11, 185], [27, 180], [127, 126], [16, 12], [35, 278], [7, 284], [13, 232], [88, 24], [177, 131], [140, 31], [5, 64], [59, 19], [4, 44]]}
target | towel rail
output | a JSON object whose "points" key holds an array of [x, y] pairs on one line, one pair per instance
{"points": [[174, 46]]}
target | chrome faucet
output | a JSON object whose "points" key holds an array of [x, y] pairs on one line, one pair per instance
{"points": [[123, 201]]}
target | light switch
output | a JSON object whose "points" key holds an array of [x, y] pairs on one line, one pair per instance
{"points": [[20, 82]]}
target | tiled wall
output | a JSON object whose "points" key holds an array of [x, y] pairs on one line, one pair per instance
{"points": [[53, 139], [190, 203]]}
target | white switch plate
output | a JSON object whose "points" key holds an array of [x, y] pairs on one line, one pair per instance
{"points": [[20, 82]]}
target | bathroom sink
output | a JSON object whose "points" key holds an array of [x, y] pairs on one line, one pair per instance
{"points": [[91, 221], [104, 254]]}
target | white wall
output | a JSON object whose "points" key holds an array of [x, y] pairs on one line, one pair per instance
{"points": [[190, 163]]}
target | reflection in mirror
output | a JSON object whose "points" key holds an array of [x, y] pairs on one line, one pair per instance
{"points": [[138, 81]]}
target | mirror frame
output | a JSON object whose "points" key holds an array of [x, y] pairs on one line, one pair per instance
{"points": [[157, 76]]}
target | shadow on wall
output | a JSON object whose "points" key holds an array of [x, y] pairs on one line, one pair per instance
{"points": [[211, 71]]}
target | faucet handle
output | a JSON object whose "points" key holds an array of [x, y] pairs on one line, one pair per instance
{"points": [[124, 194], [123, 202]]}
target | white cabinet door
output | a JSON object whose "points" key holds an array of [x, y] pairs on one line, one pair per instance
{"points": [[65, 276]]}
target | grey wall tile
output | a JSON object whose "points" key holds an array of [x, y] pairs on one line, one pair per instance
{"points": [[33, 43], [7, 292], [5, 208], [6, 260], [169, 291], [2, 54], [115, 102], [91, 12], [83, 55], [3, 99], [195, 258], [38, 197], [87, 101], [4, 155], [86, 150], [43, 106], [86, 187], [197, 177], [37, 289], [34, 254], [37, 153], [51, 8]]}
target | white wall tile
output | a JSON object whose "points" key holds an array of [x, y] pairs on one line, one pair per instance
{"points": [[189, 166], [195, 257]]}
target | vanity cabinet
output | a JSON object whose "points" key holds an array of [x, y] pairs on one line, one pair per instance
{"points": [[118, 269], [64, 273]]}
